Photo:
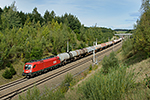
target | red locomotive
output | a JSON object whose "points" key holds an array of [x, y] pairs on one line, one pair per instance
{"points": [[36, 67]]}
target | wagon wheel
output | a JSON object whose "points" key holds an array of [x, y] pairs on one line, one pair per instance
{"points": [[28, 76], [63, 63]]}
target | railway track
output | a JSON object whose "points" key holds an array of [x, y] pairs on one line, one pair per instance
{"points": [[11, 89], [2, 87]]}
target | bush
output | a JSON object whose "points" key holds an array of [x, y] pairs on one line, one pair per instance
{"points": [[7, 74], [1, 64], [127, 48], [66, 83], [110, 62], [68, 78], [105, 64], [90, 68], [47, 94], [147, 80], [12, 70], [8, 64], [53, 95], [112, 86]]}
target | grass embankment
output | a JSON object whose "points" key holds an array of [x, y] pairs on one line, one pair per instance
{"points": [[18, 66], [128, 81]]}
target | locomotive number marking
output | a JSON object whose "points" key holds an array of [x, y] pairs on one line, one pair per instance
{"points": [[54, 62]]}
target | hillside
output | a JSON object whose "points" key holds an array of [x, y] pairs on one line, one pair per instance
{"points": [[137, 90], [129, 81]]}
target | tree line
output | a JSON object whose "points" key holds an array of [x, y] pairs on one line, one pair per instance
{"points": [[11, 17], [140, 42], [28, 36]]}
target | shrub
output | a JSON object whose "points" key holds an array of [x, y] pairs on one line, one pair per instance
{"points": [[105, 64], [8, 64], [53, 95], [68, 78], [7, 74], [147, 80], [90, 68], [1, 64], [95, 67], [113, 60], [66, 83], [127, 48], [107, 87], [47, 94], [110, 62], [12, 70], [33, 94]]}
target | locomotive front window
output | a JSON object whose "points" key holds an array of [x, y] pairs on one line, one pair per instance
{"points": [[28, 67], [34, 66]]}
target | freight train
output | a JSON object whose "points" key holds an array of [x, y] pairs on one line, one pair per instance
{"points": [[36, 67]]}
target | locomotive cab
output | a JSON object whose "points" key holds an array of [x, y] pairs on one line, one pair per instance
{"points": [[27, 70]]}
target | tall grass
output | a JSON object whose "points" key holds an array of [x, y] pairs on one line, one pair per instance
{"points": [[66, 83], [110, 62], [48, 94], [128, 48], [108, 87], [36, 94]]}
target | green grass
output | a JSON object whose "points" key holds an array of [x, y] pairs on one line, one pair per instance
{"points": [[138, 57], [126, 83], [18, 66], [107, 87]]}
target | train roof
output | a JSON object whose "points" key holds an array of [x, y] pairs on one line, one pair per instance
{"points": [[41, 59]]}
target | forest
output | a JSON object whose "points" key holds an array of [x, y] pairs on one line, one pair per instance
{"points": [[31, 36]]}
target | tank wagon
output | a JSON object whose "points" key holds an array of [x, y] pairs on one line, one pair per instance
{"points": [[64, 58], [103, 45], [89, 50], [74, 55]]}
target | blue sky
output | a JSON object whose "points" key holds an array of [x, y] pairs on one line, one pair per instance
{"points": [[105, 13]]}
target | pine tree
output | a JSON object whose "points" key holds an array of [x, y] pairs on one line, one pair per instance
{"points": [[7, 74], [37, 16], [12, 70], [10, 18]]}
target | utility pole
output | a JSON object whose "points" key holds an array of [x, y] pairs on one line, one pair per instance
{"points": [[96, 42], [94, 53], [113, 44], [96, 47], [67, 46], [94, 57]]}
